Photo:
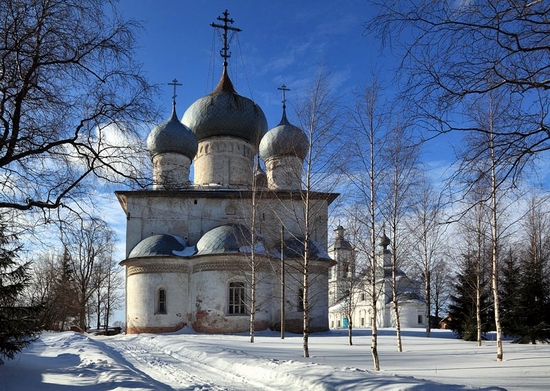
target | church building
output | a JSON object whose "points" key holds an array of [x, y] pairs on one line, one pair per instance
{"points": [[350, 290], [198, 245]]}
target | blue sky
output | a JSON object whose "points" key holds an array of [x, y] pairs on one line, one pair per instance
{"points": [[281, 42]]}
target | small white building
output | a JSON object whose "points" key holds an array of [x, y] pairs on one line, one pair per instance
{"points": [[350, 292], [189, 244]]}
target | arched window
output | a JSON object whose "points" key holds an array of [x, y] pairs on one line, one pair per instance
{"points": [[161, 301], [237, 296]]}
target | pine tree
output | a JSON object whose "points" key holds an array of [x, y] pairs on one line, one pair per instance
{"points": [[462, 310], [509, 292], [19, 324]]}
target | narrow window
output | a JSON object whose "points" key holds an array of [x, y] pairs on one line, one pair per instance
{"points": [[237, 298], [362, 297], [301, 300], [419, 319], [161, 301], [362, 321]]}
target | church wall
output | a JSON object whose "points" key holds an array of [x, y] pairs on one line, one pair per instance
{"points": [[409, 314], [274, 212], [210, 301], [142, 291]]}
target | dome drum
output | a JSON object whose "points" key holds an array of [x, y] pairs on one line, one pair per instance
{"points": [[226, 161], [171, 171], [284, 173]]}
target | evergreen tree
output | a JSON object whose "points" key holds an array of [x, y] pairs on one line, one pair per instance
{"points": [[509, 292], [462, 309], [533, 304], [528, 283], [19, 324]]}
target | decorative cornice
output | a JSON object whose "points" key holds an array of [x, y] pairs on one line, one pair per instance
{"points": [[156, 268]]}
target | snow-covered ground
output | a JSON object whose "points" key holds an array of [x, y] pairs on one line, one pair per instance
{"points": [[190, 361]]}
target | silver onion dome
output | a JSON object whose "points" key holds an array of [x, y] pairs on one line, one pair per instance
{"points": [[284, 140], [172, 136], [226, 113], [158, 245]]}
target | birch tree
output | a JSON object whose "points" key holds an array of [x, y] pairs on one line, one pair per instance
{"points": [[367, 122], [318, 116], [402, 157]]}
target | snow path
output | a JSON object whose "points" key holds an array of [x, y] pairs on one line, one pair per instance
{"points": [[196, 362], [173, 369]]}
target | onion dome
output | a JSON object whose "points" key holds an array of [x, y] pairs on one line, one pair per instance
{"points": [[161, 245], [231, 238], [384, 241], [340, 243], [284, 140], [225, 113], [172, 136]]}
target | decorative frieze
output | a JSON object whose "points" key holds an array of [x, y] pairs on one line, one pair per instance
{"points": [[157, 268]]}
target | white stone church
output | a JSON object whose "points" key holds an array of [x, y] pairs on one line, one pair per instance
{"points": [[350, 291], [189, 243]]}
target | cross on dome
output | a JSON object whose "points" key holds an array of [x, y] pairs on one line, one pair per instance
{"points": [[224, 52], [284, 90], [175, 84]]}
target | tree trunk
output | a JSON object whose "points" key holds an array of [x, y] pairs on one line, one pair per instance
{"points": [[478, 303], [306, 312], [494, 247], [374, 340], [427, 290], [395, 301]]}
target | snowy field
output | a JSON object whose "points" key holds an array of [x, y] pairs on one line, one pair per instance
{"points": [[189, 361]]}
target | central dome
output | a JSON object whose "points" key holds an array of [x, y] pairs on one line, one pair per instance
{"points": [[226, 113]]}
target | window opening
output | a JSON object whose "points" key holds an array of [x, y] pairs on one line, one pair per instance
{"points": [[162, 301], [237, 298]]}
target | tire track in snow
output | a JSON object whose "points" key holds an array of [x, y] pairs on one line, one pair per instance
{"points": [[176, 371]]}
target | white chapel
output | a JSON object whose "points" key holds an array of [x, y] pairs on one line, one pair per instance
{"points": [[350, 290], [190, 244]]}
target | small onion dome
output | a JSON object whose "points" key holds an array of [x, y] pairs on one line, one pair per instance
{"points": [[223, 112], [161, 245], [340, 243], [231, 238], [384, 241], [284, 140], [172, 136]]}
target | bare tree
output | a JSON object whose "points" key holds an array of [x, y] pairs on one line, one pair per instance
{"points": [[52, 284], [455, 51], [368, 124], [317, 114], [69, 87], [402, 157], [427, 244], [89, 243]]}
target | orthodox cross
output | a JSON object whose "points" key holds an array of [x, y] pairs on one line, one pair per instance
{"points": [[284, 89], [175, 84], [224, 52]]}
